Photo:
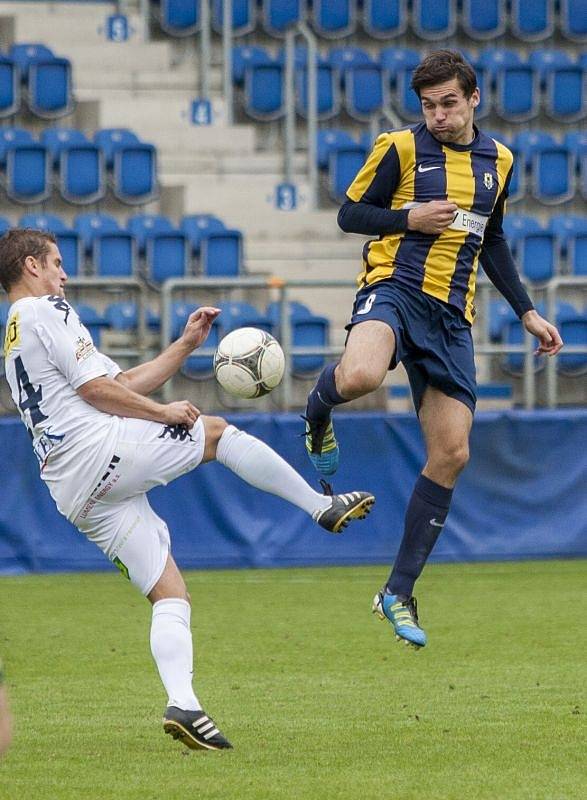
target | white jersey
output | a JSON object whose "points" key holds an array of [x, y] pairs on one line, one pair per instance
{"points": [[49, 354]]}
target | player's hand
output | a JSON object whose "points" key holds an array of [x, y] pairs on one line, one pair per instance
{"points": [[181, 412], [549, 338], [198, 326], [432, 217]]}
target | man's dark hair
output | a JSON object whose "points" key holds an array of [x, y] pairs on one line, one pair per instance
{"points": [[442, 66], [15, 246]]}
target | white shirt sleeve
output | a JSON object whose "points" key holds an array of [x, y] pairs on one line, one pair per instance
{"points": [[68, 342]]}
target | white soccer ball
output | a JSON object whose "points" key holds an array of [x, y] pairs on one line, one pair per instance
{"points": [[249, 363]]}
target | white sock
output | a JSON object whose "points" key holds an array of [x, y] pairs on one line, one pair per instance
{"points": [[172, 649], [257, 464]]}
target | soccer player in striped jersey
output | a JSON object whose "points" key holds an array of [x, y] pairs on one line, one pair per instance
{"points": [[434, 194]]}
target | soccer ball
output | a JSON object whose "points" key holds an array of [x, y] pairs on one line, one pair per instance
{"points": [[249, 363]]}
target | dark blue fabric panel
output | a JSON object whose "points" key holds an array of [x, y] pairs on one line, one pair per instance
{"points": [[522, 496]]}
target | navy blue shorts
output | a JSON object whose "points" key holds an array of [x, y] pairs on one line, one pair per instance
{"points": [[433, 341]]}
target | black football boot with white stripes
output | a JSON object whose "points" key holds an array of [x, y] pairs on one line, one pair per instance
{"points": [[195, 729], [344, 508]]}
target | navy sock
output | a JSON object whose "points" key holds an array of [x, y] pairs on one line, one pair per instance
{"points": [[323, 396], [426, 514]]}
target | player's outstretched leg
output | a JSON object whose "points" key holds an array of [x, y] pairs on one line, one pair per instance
{"points": [[402, 612], [257, 464], [321, 443], [195, 729]]}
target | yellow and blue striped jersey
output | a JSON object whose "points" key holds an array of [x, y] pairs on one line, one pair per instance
{"points": [[408, 167]]}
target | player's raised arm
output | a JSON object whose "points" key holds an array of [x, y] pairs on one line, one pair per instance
{"points": [[146, 378]]}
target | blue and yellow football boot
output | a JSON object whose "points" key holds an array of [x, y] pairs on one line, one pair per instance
{"points": [[322, 446], [402, 612]]}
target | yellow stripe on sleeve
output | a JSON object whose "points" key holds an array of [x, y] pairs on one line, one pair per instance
{"points": [[367, 172], [503, 164]]}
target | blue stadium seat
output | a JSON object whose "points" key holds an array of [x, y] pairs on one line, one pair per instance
{"points": [[238, 314], [93, 321], [532, 20], [395, 59], [68, 240], [328, 93], [247, 56], [515, 226], [553, 174], [573, 20], [81, 174], [537, 253], [264, 99], [577, 253], [180, 17], [114, 254], [307, 330], [50, 93], [495, 59], [109, 140], [145, 226], [90, 225], [407, 101], [243, 16], [483, 19], [434, 19], [343, 165], [564, 83], [517, 93], [123, 316], [195, 226], [345, 58], [334, 19], [25, 54], [500, 313], [221, 253], [279, 15], [167, 256], [28, 173], [10, 137], [9, 87], [526, 143], [365, 91], [57, 139], [572, 325], [328, 141], [384, 19], [134, 178]]}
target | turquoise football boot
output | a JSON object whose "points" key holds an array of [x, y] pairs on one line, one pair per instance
{"points": [[402, 612], [322, 446]]}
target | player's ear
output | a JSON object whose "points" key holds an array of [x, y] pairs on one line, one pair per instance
{"points": [[475, 98], [31, 266]]}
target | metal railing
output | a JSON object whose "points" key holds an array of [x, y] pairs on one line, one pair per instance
{"points": [[284, 289], [290, 109]]}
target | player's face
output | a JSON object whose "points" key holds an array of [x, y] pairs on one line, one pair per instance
{"points": [[53, 275], [448, 113]]}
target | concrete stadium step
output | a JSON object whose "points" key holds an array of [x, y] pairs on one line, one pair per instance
{"points": [[56, 24], [239, 139], [338, 248], [172, 78], [301, 269], [199, 164]]}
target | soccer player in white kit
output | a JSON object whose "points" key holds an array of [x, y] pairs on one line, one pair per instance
{"points": [[102, 443]]}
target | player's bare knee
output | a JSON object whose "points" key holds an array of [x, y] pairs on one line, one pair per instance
{"points": [[214, 427], [452, 457], [357, 380]]}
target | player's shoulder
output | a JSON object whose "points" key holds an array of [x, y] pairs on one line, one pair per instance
{"points": [[396, 136], [53, 308], [488, 141]]}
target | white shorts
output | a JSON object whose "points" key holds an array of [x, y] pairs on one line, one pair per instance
{"points": [[117, 515]]}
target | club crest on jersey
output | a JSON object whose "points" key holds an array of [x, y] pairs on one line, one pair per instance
{"points": [[488, 180], [12, 337]]}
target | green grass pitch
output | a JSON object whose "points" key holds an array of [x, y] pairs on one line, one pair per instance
{"points": [[316, 695]]}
